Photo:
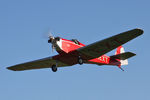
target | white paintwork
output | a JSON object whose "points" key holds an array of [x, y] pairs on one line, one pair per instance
{"points": [[59, 44], [123, 62]]}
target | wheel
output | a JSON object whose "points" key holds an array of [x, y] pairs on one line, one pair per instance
{"points": [[54, 68], [80, 61]]}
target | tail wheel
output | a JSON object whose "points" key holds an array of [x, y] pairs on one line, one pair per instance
{"points": [[54, 68], [80, 60]]}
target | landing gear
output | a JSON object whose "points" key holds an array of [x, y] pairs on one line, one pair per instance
{"points": [[54, 68], [80, 60]]}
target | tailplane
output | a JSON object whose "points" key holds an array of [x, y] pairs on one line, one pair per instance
{"points": [[122, 56]]}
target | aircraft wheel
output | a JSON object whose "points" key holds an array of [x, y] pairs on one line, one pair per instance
{"points": [[54, 68], [80, 61]]}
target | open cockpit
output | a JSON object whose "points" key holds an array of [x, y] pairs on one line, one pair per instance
{"points": [[75, 41]]}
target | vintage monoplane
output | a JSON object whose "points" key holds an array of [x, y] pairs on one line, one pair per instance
{"points": [[73, 52]]}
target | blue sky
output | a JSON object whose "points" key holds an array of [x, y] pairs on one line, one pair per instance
{"points": [[24, 23]]}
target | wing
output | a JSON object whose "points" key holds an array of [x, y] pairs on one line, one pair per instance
{"points": [[99, 48], [37, 64]]}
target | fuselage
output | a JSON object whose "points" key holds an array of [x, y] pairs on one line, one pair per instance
{"points": [[64, 46]]}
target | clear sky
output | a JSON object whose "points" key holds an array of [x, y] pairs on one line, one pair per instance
{"points": [[24, 23]]}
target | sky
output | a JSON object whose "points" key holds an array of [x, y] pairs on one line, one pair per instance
{"points": [[24, 25]]}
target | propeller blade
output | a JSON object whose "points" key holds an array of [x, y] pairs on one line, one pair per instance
{"points": [[53, 47], [50, 34]]}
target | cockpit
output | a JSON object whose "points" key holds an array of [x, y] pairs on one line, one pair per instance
{"points": [[75, 41]]}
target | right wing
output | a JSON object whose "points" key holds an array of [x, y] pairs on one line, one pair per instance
{"points": [[37, 64], [102, 47]]}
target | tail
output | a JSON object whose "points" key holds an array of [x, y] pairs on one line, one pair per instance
{"points": [[122, 56], [120, 50]]}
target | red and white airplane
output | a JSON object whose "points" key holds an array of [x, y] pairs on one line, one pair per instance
{"points": [[73, 52]]}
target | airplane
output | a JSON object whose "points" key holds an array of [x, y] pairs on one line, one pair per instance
{"points": [[73, 52]]}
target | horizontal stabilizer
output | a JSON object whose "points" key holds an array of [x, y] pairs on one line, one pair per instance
{"points": [[123, 56]]}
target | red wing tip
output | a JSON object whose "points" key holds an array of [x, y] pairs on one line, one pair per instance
{"points": [[9, 68]]}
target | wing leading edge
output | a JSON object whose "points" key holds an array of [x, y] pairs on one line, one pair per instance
{"points": [[37, 64], [102, 47]]}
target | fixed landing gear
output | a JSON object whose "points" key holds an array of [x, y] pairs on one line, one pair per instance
{"points": [[54, 68], [80, 60]]}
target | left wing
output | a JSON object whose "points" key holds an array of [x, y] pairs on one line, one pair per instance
{"points": [[37, 64], [100, 48]]}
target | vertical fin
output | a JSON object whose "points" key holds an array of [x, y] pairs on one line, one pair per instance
{"points": [[119, 50]]}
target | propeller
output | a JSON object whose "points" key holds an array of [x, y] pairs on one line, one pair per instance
{"points": [[52, 40]]}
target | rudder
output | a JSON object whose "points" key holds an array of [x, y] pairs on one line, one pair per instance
{"points": [[120, 50]]}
